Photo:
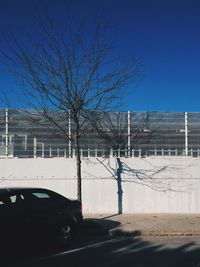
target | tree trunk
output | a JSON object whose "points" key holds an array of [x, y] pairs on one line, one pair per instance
{"points": [[78, 162]]}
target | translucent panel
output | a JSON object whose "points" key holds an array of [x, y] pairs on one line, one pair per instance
{"points": [[30, 134]]}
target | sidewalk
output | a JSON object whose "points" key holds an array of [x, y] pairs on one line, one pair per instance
{"points": [[148, 224]]}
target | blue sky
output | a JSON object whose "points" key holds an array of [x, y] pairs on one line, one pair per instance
{"points": [[165, 34]]}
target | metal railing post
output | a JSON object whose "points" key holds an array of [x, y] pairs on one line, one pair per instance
{"points": [[111, 152], [35, 147], [186, 134], [42, 150], [7, 133], [25, 141], [70, 136], [118, 153], [129, 134]]}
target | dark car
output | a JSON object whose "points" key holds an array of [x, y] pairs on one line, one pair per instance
{"points": [[28, 214]]}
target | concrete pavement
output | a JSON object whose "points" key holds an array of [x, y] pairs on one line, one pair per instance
{"points": [[146, 224]]}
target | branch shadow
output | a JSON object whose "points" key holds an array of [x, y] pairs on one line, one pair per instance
{"points": [[144, 178], [122, 252], [150, 177]]}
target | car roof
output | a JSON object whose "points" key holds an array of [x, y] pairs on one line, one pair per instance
{"points": [[14, 189]]}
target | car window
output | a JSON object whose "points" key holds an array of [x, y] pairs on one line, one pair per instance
{"points": [[41, 200], [41, 195], [15, 198], [11, 199], [4, 201]]}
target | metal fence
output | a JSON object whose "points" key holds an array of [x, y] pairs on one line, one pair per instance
{"points": [[114, 134]]}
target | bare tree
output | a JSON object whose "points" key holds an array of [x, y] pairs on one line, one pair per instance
{"points": [[111, 127], [69, 69]]}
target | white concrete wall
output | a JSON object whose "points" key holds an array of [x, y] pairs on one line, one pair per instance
{"points": [[153, 184]]}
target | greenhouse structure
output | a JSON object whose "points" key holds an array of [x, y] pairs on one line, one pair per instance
{"points": [[110, 134]]}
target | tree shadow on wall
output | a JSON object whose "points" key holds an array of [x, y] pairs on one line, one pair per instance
{"points": [[119, 185], [117, 175], [143, 177]]}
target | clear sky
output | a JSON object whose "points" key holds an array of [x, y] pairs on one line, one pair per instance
{"points": [[164, 33]]}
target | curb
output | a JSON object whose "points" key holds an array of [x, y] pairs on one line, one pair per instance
{"points": [[125, 233], [138, 233], [98, 227], [171, 234]]}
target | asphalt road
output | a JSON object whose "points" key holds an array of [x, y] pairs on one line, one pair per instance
{"points": [[175, 241], [95, 247], [119, 252]]}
